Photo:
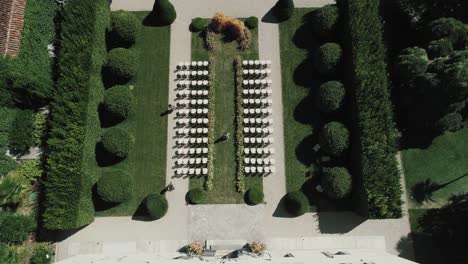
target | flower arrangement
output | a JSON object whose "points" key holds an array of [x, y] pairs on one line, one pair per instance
{"points": [[257, 247], [195, 248], [240, 177], [211, 130], [232, 27], [210, 40]]}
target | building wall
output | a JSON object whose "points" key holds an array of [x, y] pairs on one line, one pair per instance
{"points": [[11, 25]]}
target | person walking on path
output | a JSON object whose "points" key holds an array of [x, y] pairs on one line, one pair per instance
{"points": [[170, 108], [170, 187], [225, 136]]}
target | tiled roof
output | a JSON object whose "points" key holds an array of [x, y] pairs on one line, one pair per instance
{"points": [[11, 25]]}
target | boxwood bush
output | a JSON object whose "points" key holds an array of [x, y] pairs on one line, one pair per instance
{"points": [[283, 9], [327, 58], [121, 65], [336, 182], [374, 135], [334, 138], [163, 13], [118, 102], [124, 29], [324, 21], [116, 141], [74, 120], [198, 24], [15, 228], [156, 206], [196, 196], [251, 22], [254, 196], [20, 137], [297, 203], [41, 255], [115, 186], [330, 96]]}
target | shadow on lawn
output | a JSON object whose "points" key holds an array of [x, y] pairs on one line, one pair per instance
{"points": [[422, 191], [104, 158]]}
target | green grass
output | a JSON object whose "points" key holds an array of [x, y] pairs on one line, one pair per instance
{"points": [[147, 159], [445, 160], [295, 65], [224, 189]]}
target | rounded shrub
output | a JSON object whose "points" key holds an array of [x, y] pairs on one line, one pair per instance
{"points": [[336, 182], [115, 186], [325, 21], [196, 196], [198, 24], [327, 58], [439, 48], [121, 65], [254, 196], [450, 122], [283, 9], [118, 102], [411, 62], [163, 12], [124, 28], [330, 96], [117, 142], [251, 22], [296, 203], [450, 28], [334, 138], [156, 206]]}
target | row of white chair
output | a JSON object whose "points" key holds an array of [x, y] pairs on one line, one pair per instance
{"points": [[258, 121], [198, 111], [256, 73], [191, 161], [191, 171], [258, 111], [191, 131], [191, 151], [185, 93], [259, 151], [258, 161], [258, 140], [185, 102], [192, 65], [264, 101], [257, 92], [193, 83], [192, 74], [186, 141], [258, 130], [256, 63], [256, 83], [260, 170], [193, 121]]}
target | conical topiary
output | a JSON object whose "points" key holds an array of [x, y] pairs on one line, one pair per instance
{"points": [[283, 9], [163, 12]]}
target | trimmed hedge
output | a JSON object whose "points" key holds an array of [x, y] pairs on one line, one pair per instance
{"points": [[121, 65], [330, 96], [124, 29], [118, 102], [74, 122], [163, 12], [20, 137], [254, 196], [251, 22], [117, 142], [334, 138], [297, 203], [15, 228], [283, 9], [115, 186], [196, 196], [156, 206], [374, 134], [336, 182], [327, 58], [325, 21], [198, 24], [450, 28]]}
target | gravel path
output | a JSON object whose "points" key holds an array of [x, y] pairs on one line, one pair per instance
{"points": [[194, 222]]}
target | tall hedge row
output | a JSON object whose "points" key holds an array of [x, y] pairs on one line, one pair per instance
{"points": [[374, 139], [74, 116]]}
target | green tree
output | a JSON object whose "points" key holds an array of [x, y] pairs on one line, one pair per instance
{"points": [[163, 12], [336, 182], [283, 9]]}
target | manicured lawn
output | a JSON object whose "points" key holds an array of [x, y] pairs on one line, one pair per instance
{"points": [[147, 159], [444, 161], [224, 188], [298, 111]]}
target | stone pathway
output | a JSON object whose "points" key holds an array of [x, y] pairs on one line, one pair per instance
{"points": [[184, 223]]}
